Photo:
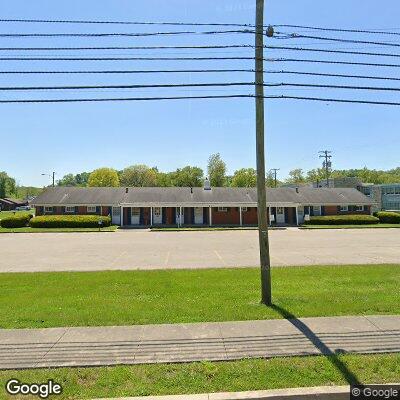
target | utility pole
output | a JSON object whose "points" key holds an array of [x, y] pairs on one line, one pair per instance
{"points": [[275, 171], [266, 296], [327, 164], [53, 178]]}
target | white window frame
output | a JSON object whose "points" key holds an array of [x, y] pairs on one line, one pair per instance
{"points": [[48, 209], [69, 209], [280, 210], [359, 208], [244, 209], [344, 208], [222, 209], [157, 211], [91, 209]]}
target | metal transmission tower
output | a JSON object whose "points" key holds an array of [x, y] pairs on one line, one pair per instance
{"points": [[327, 164], [266, 296]]}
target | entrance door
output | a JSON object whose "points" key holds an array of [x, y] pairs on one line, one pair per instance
{"points": [[198, 215], [135, 216], [157, 215], [180, 218], [116, 215], [280, 215]]}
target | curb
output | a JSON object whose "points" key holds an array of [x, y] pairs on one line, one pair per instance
{"points": [[310, 393]]}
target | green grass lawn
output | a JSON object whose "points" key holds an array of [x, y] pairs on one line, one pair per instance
{"points": [[27, 229], [255, 374], [372, 226], [32, 300]]}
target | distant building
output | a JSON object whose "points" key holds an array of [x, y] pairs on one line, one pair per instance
{"points": [[8, 204], [386, 196]]}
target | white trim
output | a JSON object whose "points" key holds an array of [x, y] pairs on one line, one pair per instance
{"points": [[122, 216], [222, 209], [89, 211], [240, 216], [151, 216], [344, 208], [210, 215], [69, 209]]}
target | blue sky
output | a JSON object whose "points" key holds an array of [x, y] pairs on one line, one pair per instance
{"points": [[38, 138]]}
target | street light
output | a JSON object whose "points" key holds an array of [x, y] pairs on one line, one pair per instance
{"points": [[51, 176]]}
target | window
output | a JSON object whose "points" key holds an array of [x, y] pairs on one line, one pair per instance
{"points": [[69, 209], [398, 190], [244, 209], [222, 209], [359, 208], [157, 211], [48, 209], [91, 209], [344, 208], [136, 212]]}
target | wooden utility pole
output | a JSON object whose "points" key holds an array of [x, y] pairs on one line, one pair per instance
{"points": [[266, 296]]}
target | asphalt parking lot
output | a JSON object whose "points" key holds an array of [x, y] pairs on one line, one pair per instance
{"points": [[137, 249]]}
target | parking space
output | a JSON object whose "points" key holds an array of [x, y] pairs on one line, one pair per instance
{"points": [[142, 249]]}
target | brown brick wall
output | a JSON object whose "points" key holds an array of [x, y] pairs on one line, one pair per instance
{"points": [[230, 217], [250, 216]]}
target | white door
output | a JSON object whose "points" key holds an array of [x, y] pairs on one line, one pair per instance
{"points": [[157, 215], [135, 216], [300, 214], [280, 215], [180, 218], [198, 215], [116, 215]]}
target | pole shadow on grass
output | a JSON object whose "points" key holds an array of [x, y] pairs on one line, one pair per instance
{"points": [[350, 377]]}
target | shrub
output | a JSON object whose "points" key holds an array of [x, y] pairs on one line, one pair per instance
{"points": [[16, 221], [69, 221], [389, 217], [343, 220]]}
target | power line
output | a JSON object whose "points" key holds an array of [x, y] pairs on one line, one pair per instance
{"points": [[166, 71], [58, 21], [332, 62], [234, 46], [141, 34], [333, 75], [154, 86], [297, 36], [193, 85], [215, 58], [316, 28], [327, 100], [361, 53], [125, 99], [277, 97]]}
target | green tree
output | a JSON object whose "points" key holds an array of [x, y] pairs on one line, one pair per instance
{"points": [[67, 180], [82, 178], [296, 176], [187, 177], [216, 170], [164, 179], [139, 176], [316, 175], [104, 177], [245, 177], [7, 185]]}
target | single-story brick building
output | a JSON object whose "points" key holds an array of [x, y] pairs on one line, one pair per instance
{"points": [[9, 204], [141, 207]]}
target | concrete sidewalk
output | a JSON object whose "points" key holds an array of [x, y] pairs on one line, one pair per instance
{"points": [[62, 347]]}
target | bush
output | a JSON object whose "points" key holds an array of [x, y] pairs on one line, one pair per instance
{"points": [[386, 217], [16, 221], [69, 221], [343, 220]]}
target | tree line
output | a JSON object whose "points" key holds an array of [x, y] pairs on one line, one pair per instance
{"points": [[192, 176]]}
